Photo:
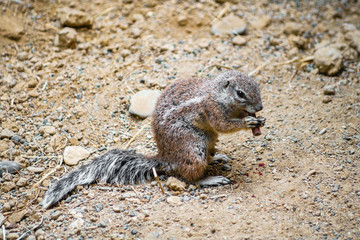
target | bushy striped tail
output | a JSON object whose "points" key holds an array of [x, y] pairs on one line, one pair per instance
{"points": [[116, 166]]}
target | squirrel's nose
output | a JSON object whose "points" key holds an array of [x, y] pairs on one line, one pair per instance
{"points": [[259, 107]]}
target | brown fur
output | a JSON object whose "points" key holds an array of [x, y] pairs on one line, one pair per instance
{"points": [[190, 113]]}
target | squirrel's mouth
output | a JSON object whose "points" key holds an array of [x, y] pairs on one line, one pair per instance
{"points": [[250, 114], [256, 131]]}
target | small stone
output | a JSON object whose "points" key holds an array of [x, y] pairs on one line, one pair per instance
{"points": [[127, 195], [125, 52], [74, 18], [51, 130], [11, 26], [322, 131], [136, 32], [17, 216], [12, 236], [328, 60], [35, 169], [40, 234], [354, 38], [9, 167], [32, 83], [6, 207], [66, 38], [34, 93], [262, 22], [173, 200], [311, 172], [73, 154], [327, 99], [239, 40], [7, 186], [329, 90], [6, 133], [230, 24], [77, 224], [204, 42], [338, 168], [22, 56], [117, 209], [143, 103], [182, 20], [304, 195], [103, 223], [55, 215], [293, 28], [175, 184], [22, 182]]}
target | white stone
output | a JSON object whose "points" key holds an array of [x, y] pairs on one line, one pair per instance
{"points": [[229, 25], [328, 60], [73, 154], [143, 103]]}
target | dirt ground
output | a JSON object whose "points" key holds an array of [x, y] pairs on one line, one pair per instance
{"points": [[298, 180]]}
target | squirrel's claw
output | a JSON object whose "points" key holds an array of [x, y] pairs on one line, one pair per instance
{"points": [[213, 181]]}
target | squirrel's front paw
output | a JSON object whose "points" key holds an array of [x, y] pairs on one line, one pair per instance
{"points": [[253, 122]]}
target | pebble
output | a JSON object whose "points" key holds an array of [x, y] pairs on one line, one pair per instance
{"points": [[6, 133], [173, 200], [74, 18], [66, 38], [6, 207], [11, 26], [261, 22], [9, 166], [17, 216], [293, 28], [22, 182], [103, 223], [182, 20], [44, 130], [143, 103], [7, 186], [34, 93], [354, 38], [74, 154], [77, 224], [175, 184], [239, 40], [40, 234], [338, 168], [117, 209], [35, 169], [136, 32], [55, 215], [230, 24], [12, 236], [329, 90], [321, 132], [328, 60], [125, 52], [22, 56], [127, 195], [327, 99]]}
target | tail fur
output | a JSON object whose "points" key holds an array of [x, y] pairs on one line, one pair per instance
{"points": [[116, 166]]}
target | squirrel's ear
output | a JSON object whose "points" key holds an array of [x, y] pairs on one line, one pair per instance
{"points": [[227, 84]]}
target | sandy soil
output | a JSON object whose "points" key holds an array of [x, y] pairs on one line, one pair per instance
{"points": [[298, 180]]}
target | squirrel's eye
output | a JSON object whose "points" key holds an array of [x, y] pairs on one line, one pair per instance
{"points": [[240, 94]]}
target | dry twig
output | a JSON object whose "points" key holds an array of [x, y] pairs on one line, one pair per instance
{"points": [[158, 180], [137, 134]]}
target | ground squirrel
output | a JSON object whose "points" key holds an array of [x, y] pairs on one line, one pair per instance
{"points": [[188, 116]]}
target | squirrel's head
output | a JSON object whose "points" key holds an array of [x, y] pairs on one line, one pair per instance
{"points": [[242, 93]]}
